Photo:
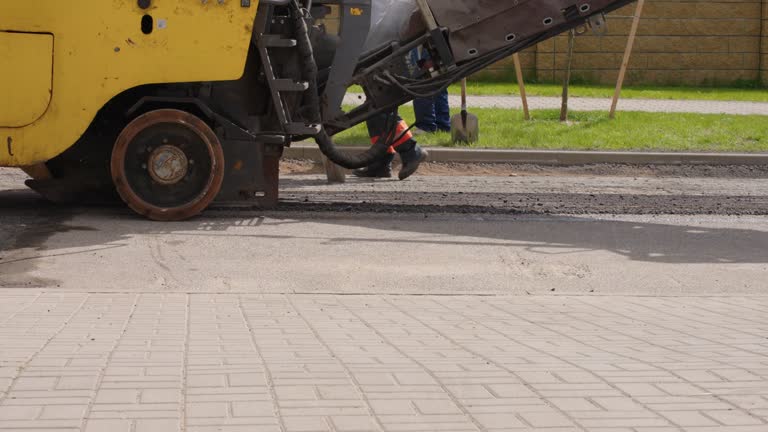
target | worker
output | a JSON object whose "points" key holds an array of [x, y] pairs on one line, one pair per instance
{"points": [[411, 154], [432, 114]]}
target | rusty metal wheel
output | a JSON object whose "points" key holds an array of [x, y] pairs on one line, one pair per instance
{"points": [[167, 165]]}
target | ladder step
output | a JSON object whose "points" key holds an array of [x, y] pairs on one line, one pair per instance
{"points": [[288, 85], [277, 41], [302, 129]]}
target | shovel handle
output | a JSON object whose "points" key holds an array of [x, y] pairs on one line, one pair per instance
{"points": [[464, 94]]}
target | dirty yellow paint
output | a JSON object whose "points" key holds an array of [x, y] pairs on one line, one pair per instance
{"points": [[95, 49], [27, 75]]}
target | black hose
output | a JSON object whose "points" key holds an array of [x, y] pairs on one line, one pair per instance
{"points": [[324, 141], [410, 92]]}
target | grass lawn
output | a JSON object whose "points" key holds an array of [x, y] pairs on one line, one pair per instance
{"points": [[501, 128], [639, 92], [598, 91]]}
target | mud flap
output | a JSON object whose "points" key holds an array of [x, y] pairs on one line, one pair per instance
{"points": [[251, 174]]}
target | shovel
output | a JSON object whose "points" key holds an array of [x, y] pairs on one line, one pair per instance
{"points": [[465, 127]]}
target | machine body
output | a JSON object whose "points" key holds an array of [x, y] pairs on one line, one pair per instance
{"points": [[176, 103]]}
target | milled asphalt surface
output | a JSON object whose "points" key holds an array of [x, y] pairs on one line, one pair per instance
{"points": [[533, 194], [424, 305], [431, 235]]}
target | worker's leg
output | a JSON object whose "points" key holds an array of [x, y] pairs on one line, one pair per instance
{"points": [[425, 114], [443, 112], [381, 168], [410, 153]]}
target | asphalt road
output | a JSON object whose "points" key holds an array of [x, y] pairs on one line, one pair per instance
{"points": [[529, 234], [591, 303]]}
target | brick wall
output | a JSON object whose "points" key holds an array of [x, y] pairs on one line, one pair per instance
{"points": [[764, 45], [679, 42]]}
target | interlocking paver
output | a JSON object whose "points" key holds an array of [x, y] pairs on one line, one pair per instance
{"points": [[689, 418], [227, 362]]}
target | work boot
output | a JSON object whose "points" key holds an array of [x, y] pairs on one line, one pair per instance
{"points": [[411, 158], [381, 168]]}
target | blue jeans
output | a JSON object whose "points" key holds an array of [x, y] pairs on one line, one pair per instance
{"points": [[433, 114]]}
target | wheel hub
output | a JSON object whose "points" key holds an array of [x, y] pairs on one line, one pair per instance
{"points": [[168, 164]]}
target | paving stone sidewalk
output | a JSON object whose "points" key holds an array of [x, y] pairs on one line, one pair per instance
{"points": [[599, 104], [225, 362]]}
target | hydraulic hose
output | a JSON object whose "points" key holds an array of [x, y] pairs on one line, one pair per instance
{"points": [[324, 141]]}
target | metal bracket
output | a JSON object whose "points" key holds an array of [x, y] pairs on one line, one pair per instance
{"points": [[233, 128], [355, 26], [598, 24], [441, 44], [208, 112]]}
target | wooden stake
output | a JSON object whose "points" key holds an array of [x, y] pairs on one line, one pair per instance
{"points": [[333, 172], [567, 77], [521, 84], [627, 55]]}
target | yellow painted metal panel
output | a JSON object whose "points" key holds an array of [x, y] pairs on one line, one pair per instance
{"points": [[25, 77], [100, 51]]}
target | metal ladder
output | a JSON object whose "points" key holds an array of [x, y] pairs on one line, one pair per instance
{"points": [[278, 86]]}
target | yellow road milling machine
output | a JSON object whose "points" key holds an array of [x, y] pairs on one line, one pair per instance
{"points": [[176, 104]]}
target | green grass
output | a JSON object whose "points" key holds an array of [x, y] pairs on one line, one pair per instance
{"points": [[595, 131], [637, 92], [632, 92]]}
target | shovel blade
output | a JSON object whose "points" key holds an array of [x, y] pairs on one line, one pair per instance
{"points": [[465, 128]]}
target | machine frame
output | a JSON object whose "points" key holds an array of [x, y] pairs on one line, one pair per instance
{"points": [[230, 82]]}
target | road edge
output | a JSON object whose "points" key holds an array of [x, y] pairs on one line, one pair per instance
{"points": [[556, 157]]}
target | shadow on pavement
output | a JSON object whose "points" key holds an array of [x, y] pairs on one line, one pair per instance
{"points": [[27, 222]]}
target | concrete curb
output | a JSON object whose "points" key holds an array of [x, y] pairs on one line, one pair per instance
{"points": [[547, 157]]}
